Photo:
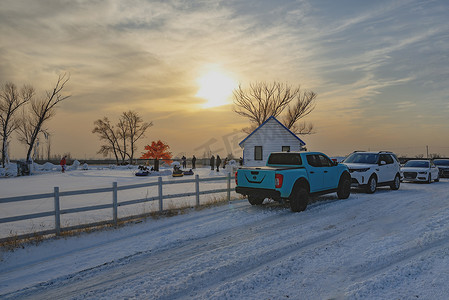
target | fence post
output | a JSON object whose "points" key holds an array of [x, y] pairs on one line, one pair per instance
{"points": [[57, 212], [161, 206], [114, 203], [197, 189], [229, 187]]}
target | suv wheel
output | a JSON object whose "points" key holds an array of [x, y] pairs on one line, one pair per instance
{"points": [[255, 201], [299, 199], [396, 183], [372, 185]]}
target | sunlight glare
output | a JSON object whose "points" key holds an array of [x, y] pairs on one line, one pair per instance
{"points": [[216, 88]]}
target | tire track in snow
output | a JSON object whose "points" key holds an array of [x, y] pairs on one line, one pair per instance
{"points": [[394, 260], [51, 258], [188, 248], [134, 267]]}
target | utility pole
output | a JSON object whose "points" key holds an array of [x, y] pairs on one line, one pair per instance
{"points": [[427, 149]]}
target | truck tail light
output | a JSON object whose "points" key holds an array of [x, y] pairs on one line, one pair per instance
{"points": [[236, 182], [278, 180]]}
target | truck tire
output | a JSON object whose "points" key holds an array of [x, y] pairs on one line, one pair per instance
{"points": [[372, 185], [299, 199], [255, 201], [344, 187]]}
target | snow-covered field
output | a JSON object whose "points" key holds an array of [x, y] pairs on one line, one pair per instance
{"points": [[95, 177], [389, 245]]}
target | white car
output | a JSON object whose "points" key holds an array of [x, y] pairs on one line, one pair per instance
{"points": [[420, 170], [372, 169]]}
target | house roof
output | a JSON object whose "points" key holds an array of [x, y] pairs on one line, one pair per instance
{"points": [[270, 118]]}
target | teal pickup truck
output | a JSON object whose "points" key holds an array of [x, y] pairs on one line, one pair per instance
{"points": [[293, 177]]}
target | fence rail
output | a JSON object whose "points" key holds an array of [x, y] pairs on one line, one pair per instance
{"points": [[57, 212]]}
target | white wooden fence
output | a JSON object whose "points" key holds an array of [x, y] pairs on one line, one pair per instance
{"points": [[115, 203]]}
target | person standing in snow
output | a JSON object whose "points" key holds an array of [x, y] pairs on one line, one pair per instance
{"points": [[193, 162], [184, 162], [63, 163], [212, 162], [218, 163]]}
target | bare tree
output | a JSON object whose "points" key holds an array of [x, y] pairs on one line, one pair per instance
{"points": [[122, 132], [11, 99], [263, 100], [136, 129], [107, 133], [121, 139], [41, 110]]}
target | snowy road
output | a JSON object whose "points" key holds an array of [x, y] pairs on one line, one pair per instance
{"points": [[389, 245]]}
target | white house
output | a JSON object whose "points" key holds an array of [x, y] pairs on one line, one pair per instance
{"points": [[271, 136]]}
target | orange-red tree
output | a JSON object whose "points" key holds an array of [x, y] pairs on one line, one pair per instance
{"points": [[158, 150]]}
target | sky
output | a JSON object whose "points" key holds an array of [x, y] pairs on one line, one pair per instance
{"points": [[380, 69]]}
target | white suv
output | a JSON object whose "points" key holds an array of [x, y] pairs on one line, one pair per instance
{"points": [[372, 169]]}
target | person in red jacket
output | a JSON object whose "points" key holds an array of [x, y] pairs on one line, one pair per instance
{"points": [[62, 163]]}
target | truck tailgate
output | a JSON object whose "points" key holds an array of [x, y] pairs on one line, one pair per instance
{"points": [[257, 178]]}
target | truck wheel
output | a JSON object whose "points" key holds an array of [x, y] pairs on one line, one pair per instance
{"points": [[344, 187], [372, 185], [255, 201], [396, 183], [299, 199]]}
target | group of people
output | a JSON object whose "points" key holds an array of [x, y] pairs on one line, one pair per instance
{"points": [[216, 162], [184, 162]]}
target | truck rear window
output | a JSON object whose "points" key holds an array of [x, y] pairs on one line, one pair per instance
{"points": [[285, 159]]}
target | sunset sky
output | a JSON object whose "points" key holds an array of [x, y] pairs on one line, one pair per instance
{"points": [[380, 68]]}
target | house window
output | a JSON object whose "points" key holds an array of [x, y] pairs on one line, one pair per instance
{"points": [[285, 148], [258, 153]]}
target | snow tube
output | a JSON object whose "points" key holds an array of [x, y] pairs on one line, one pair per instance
{"points": [[143, 173], [177, 174], [190, 172]]}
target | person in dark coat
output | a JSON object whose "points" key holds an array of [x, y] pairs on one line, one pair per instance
{"points": [[184, 162], [156, 164], [218, 163], [212, 162], [193, 162]]}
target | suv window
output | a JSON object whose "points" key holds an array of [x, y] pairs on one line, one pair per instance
{"points": [[386, 158], [361, 158], [442, 162]]}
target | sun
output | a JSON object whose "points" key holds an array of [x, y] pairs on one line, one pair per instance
{"points": [[216, 87]]}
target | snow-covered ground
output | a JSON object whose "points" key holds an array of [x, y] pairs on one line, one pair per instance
{"points": [[95, 177], [388, 245]]}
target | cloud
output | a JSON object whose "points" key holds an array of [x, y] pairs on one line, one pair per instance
{"points": [[360, 57]]}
